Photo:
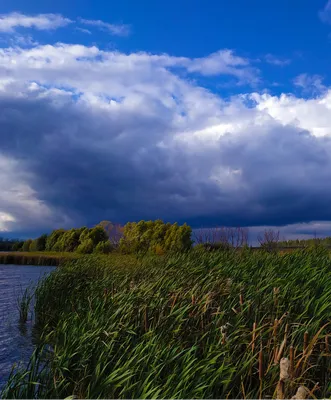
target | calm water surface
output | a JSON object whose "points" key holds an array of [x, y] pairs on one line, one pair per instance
{"points": [[16, 342]]}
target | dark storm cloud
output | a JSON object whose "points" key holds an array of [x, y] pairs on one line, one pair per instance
{"points": [[89, 164]]}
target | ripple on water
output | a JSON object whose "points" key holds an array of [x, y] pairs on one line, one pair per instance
{"points": [[15, 341]]}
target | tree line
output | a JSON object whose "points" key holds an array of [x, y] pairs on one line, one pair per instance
{"points": [[151, 237], [135, 237], [7, 244], [306, 242]]}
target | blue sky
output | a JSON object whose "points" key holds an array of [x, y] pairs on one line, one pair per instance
{"points": [[209, 112], [261, 31]]}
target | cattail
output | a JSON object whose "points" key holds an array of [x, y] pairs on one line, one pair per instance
{"points": [[283, 376], [193, 299], [301, 393], [241, 301], [284, 369], [280, 390], [253, 336], [305, 341]]}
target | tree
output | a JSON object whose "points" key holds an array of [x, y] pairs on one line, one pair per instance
{"points": [[41, 243], [86, 247], [17, 246], [53, 239], [155, 237], [94, 235], [114, 232], [33, 245], [269, 240], [97, 235], [26, 245], [103, 248], [222, 238], [70, 240]]}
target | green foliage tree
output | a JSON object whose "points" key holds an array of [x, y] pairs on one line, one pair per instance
{"points": [[33, 245], [53, 242], [17, 246], [85, 247], [103, 247], [26, 245], [155, 236], [41, 243], [96, 235], [70, 240]]}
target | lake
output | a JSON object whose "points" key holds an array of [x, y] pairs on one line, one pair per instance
{"points": [[16, 342]]}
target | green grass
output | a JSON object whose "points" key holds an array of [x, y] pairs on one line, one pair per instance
{"points": [[191, 325]]}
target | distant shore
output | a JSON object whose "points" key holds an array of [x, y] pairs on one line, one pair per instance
{"points": [[35, 258]]}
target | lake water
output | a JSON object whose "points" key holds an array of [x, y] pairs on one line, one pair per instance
{"points": [[16, 342]]}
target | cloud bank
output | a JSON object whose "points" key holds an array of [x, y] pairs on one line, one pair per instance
{"points": [[88, 134]]}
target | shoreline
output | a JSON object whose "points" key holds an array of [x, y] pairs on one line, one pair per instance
{"points": [[35, 258]]}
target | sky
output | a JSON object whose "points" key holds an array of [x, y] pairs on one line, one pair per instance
{"points": [[214, 113]]}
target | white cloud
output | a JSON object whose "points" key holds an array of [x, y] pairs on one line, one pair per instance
{"points": [[281, 62], [312, 84], [114, 29], [103, 134], [223, 62], [19, 203], [97, 71], [8, 22], [83, 30], [312, 115]]}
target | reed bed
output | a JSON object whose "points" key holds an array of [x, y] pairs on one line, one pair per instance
{"points": [[196, 325], [35, 258]]}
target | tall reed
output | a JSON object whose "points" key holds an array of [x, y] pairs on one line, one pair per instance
{"points": [[23, 304], [199, 325]]}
